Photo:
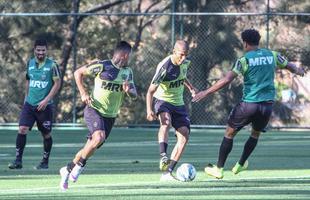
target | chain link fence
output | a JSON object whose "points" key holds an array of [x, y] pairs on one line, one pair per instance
{"points": [[212, 28]]}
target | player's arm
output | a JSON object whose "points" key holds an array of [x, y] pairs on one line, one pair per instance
{"points": [[190, 87], [283, 63], [226, 80], [129, 87], [91, 69], [150, 115], [294, 69]]}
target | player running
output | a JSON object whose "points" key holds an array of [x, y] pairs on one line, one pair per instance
{"points": [[113, 79], [257, 67], [42, 83], [167, 87]]}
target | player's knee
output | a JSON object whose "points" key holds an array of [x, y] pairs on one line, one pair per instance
{"points": [[23, 130], [46, 135], [255, 134], [98, 138], [165, 127]]}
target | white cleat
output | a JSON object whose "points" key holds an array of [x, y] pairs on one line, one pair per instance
{"points": [[168, 177], [64, 178], [75, 173]]}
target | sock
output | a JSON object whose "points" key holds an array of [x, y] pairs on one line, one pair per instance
{"points": [[70, 166], [82, 162], [225, 149], [172, 165], [20, 146], [248, 149], [47, 148], [163, 148]]}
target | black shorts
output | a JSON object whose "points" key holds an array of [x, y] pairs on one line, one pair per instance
{"points": [[44, 118], [179, 116], [95, 122], [244, 113]]}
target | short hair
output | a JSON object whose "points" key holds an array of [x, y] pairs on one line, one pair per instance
{"points": [[40, 42], [123, 46], [250, 36], [181, 43]]}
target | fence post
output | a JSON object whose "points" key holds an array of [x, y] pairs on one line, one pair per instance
{"points": [[267, 24], [74, 52], [172, 23]]}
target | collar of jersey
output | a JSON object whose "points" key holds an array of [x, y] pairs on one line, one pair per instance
{"points": [[41, 64]]}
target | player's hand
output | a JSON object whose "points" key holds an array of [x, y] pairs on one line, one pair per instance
{"points": [[150, 116], [42, 105], [126, 86], [194, 91], [199, 96], [86, 99]]}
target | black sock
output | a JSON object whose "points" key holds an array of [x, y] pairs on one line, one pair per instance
{"points": [[163, 148], [172, 165], [48, 143], [82, 162], [225, 149], [248, 149], [20, 146], [70, 166]]}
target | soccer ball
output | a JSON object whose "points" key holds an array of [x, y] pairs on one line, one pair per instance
{"points": [[186, 172]]}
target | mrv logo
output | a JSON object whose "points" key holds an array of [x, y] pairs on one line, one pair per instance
{"points": [[261, 61], [176, 84], [38, 84], [112, 86]]}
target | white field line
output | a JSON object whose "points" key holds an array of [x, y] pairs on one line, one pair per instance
{"points": [[148, 184]]}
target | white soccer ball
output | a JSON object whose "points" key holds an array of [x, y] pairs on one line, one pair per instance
{"points": [[186, 172]]}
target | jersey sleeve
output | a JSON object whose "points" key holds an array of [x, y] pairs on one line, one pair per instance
{"points": [[94, 68], [160, 74], [27, 68], [130, 76], [56, 72], [240, 66], [279, 59]]}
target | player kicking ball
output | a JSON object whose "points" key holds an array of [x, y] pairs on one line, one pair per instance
{"points": [[258, 67], [113, 80], [167, 87]]}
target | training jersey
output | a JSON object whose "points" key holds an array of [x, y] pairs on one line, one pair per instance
{"points": [[258, 70], [170, 80], [41, 77], [108, 92]]}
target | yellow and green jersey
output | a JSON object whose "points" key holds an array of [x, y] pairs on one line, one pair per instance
{"points": [[258, 70], [108, 92], [41, 76], [170, 80]]}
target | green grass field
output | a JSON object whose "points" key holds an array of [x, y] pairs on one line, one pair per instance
{"points": [[126, 167]]}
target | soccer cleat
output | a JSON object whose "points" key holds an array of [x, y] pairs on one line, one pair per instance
{"points": [[239, 168], [64, 178], [41, 165], [164, 163], [75, 173], [214, 171], [15, 165], [168, 177]]}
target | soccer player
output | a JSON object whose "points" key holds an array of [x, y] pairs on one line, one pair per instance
{"points": [[167, 87], [42, 83], [257, 66], [112, 80]]}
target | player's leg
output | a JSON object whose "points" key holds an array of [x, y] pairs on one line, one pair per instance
{"points": [[44, 122], [26, 121], [182, 135], [181, 123], [238, 118], [96, 140], [165, 123], [99, 130], [259, 122]]}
